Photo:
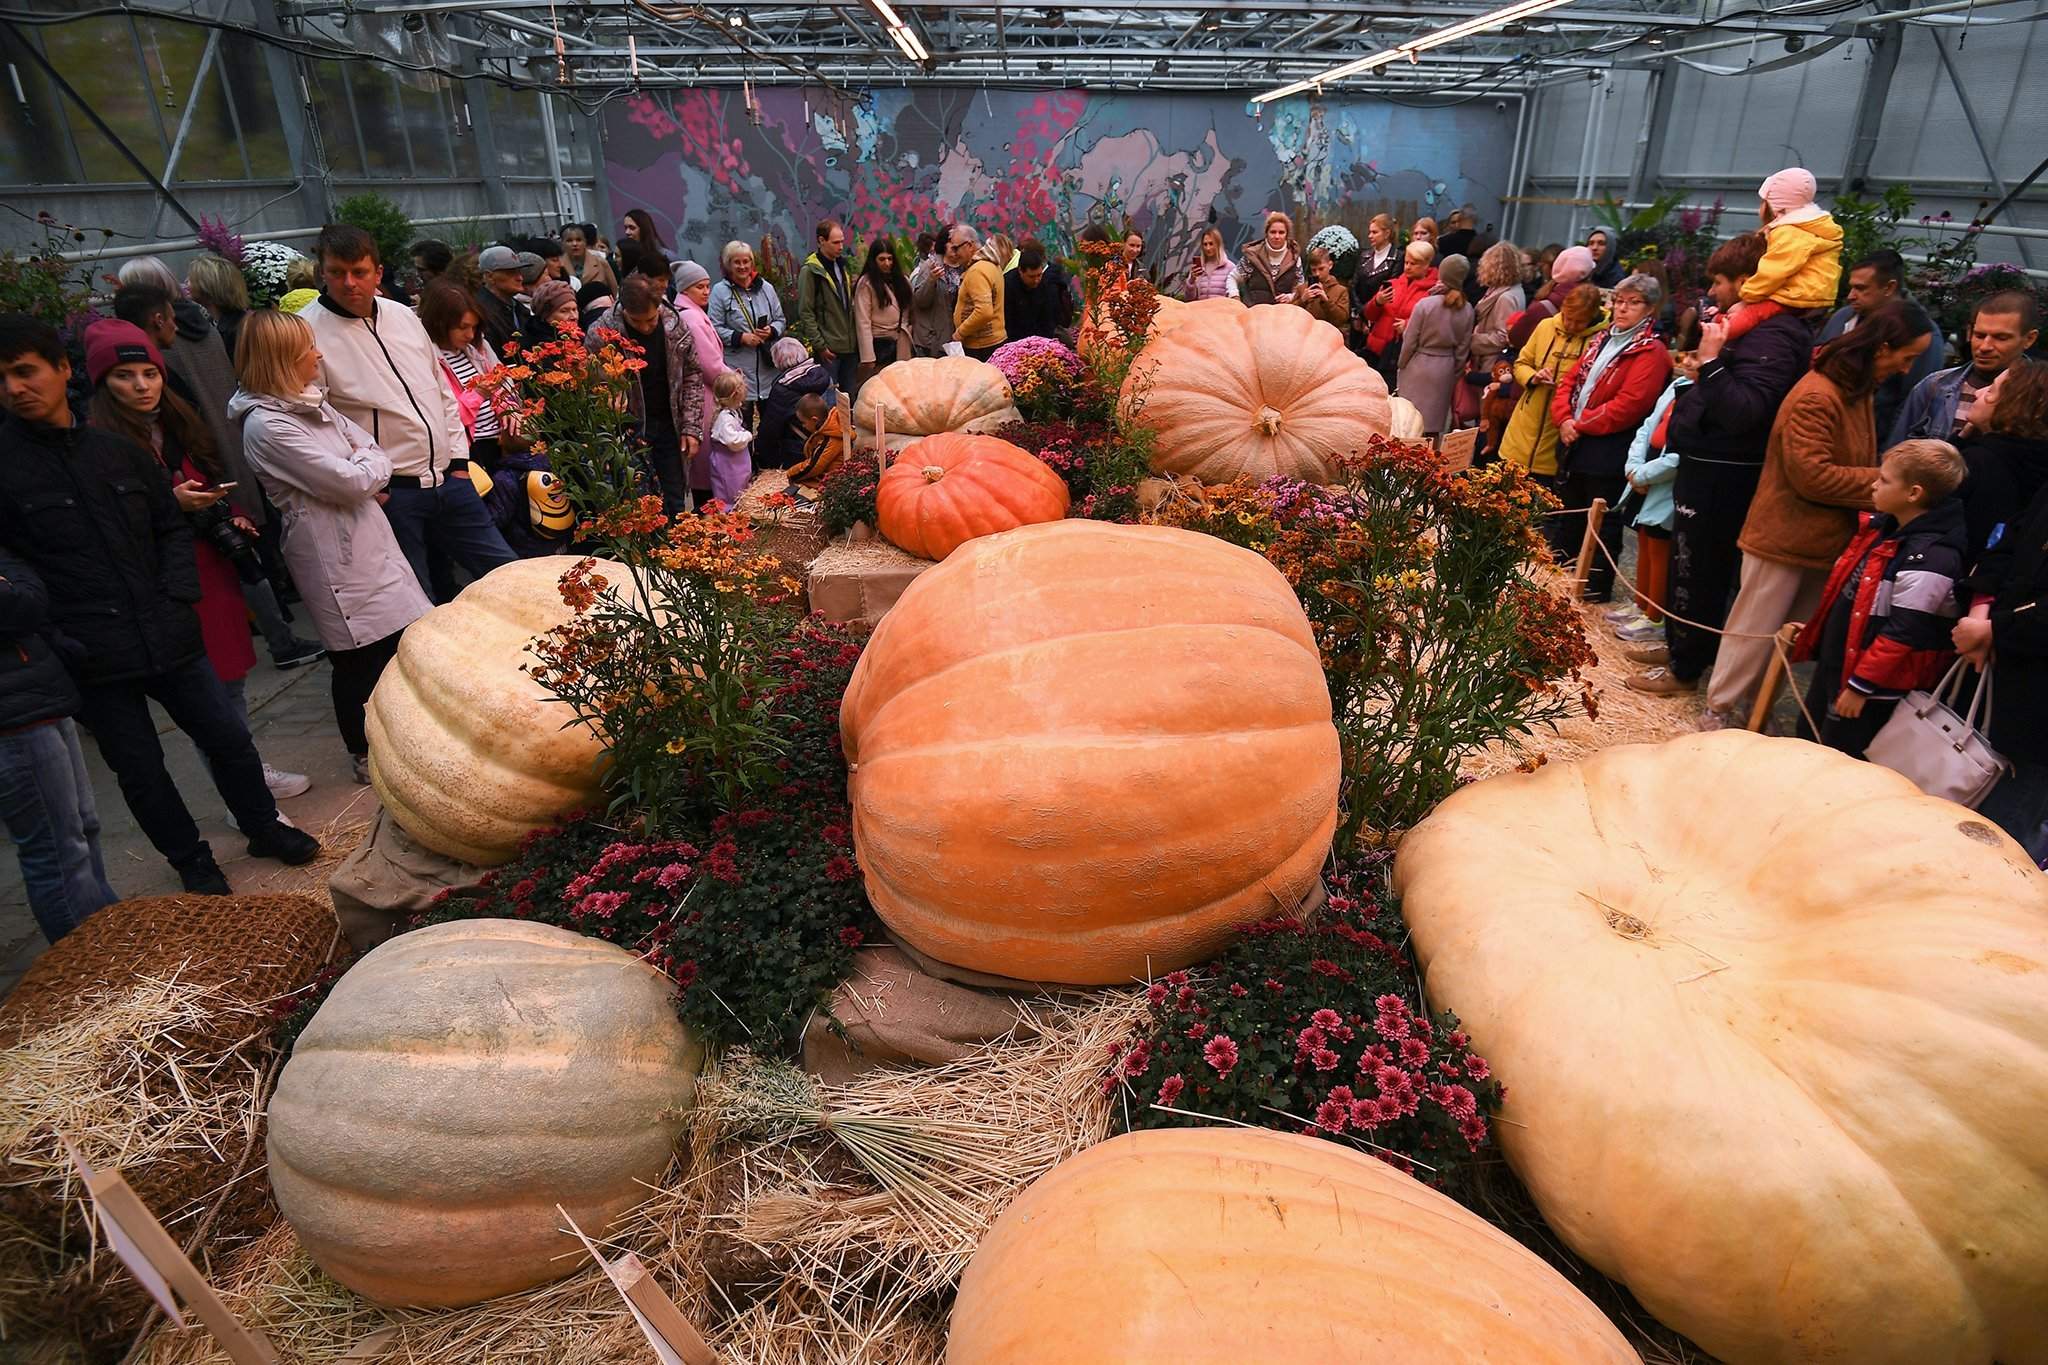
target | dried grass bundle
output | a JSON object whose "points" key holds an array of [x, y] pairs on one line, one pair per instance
{"points": [[121, 1080], [781, 1246]]}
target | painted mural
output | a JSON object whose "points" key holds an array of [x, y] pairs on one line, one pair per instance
{"points": [[1037, 163]]}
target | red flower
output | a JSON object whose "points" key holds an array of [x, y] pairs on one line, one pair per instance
{"points": [[1325, 1060], [1477, 1067], [841, 868], [1220, 1053], [1139, 1060], [1332, 1116], [1414, 1052], [1155, 994], [1170, 1088], [851, 937]]}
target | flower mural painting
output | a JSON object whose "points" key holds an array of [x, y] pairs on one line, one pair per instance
{"points": [[1031, 163]]}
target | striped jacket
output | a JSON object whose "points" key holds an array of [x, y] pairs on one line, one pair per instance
{"points": [[1901, 585]]}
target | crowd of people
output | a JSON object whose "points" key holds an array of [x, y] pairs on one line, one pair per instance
{"points": [[190, 465]]}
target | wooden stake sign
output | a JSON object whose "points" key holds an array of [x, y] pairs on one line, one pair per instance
{"points": [[139, 1240], [674, 1339]]}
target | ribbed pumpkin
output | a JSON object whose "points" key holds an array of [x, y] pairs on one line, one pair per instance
{"points": [[1249, 393], [1081, 751], [1235, 1245], [945, 490], [1404, 420], [460, 1082], [926, 396], [467, 752], [1773, 1031]]}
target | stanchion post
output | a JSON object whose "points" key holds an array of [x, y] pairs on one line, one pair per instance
{"points": [[1594, 516], [1775, 676]]}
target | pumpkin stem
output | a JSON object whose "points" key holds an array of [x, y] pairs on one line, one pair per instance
{"points": [[1268, 422], [933, 473]]}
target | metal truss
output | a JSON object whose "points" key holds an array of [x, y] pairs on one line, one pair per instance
{"points": [[1131, 44]]}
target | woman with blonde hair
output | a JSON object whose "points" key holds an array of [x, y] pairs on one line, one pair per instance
{"points": [[1378, 262], [219, 288], [1385, 314], [1269, 270], [1500, 276], [327, 477]]}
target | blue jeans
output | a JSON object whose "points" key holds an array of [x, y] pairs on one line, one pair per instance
{"points": [[46, 803], [2019, 806], [451, 518]]}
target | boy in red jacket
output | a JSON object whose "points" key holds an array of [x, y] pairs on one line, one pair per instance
{"points": [[1890, 604]]}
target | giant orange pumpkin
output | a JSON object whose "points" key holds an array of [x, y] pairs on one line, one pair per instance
{"points": [[1249, 393], [1233, 1246], [467, 752], [1773, 1033], [1080, 752], [945, 490], [460, 1082]]}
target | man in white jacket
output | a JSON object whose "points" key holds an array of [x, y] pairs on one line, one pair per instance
{"points": [[380, 371]]}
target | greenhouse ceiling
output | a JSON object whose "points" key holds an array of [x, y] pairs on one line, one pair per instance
{"points": [[1419, 49]]}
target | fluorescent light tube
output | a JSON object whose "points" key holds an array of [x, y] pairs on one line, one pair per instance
{"points": [[1464, 28]]}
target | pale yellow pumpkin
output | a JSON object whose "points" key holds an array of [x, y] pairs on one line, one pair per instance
{"points": [[1404, 420], [460, 1082], [467, 752], [927, 396], [1250, 393], [1773, 1033], [1086, 753], [1235, 1246]]}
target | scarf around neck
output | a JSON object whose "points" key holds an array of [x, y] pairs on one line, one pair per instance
{"points": [[1610, 350]]}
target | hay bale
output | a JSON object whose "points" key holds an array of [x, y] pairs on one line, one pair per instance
{"points": [[818, 1264], [856, 582], [142, 1035]]}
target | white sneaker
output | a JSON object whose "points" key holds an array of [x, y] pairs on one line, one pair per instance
{"points": [[283, 786]]}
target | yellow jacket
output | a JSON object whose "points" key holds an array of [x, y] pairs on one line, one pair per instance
{"points": [[1802, 265], [1531, 438], [978, 311]]}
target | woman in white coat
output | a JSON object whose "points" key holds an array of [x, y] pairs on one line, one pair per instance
{"points": [[326, 476]]}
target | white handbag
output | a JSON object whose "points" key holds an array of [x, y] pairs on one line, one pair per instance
{"points": [[1945, 754]]}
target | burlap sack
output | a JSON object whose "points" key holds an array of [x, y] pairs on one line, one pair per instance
{"points": [[388, 879], [888, 1013]]}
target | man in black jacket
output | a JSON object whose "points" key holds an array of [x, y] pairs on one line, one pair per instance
{"points": [[93, 515], [1720, 427], [45, 796], [1036, 302], [2006, 633]]}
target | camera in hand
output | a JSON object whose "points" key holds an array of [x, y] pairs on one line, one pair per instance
{"points": [[215, 524]]}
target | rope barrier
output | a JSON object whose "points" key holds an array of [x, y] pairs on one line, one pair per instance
{"points": [[1766, 692]]}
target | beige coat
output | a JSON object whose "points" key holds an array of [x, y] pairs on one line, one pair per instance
{"points": [[879, 317]]}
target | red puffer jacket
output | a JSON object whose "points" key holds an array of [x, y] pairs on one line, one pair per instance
{"points": [[1620, 399], [1379, 318]]}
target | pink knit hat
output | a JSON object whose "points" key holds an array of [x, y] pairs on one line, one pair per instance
{"points": [[1791, 188], [111, 342], [1573, 265]]}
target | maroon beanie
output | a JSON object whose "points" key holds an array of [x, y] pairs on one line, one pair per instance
{"points": [[110, 342]]}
